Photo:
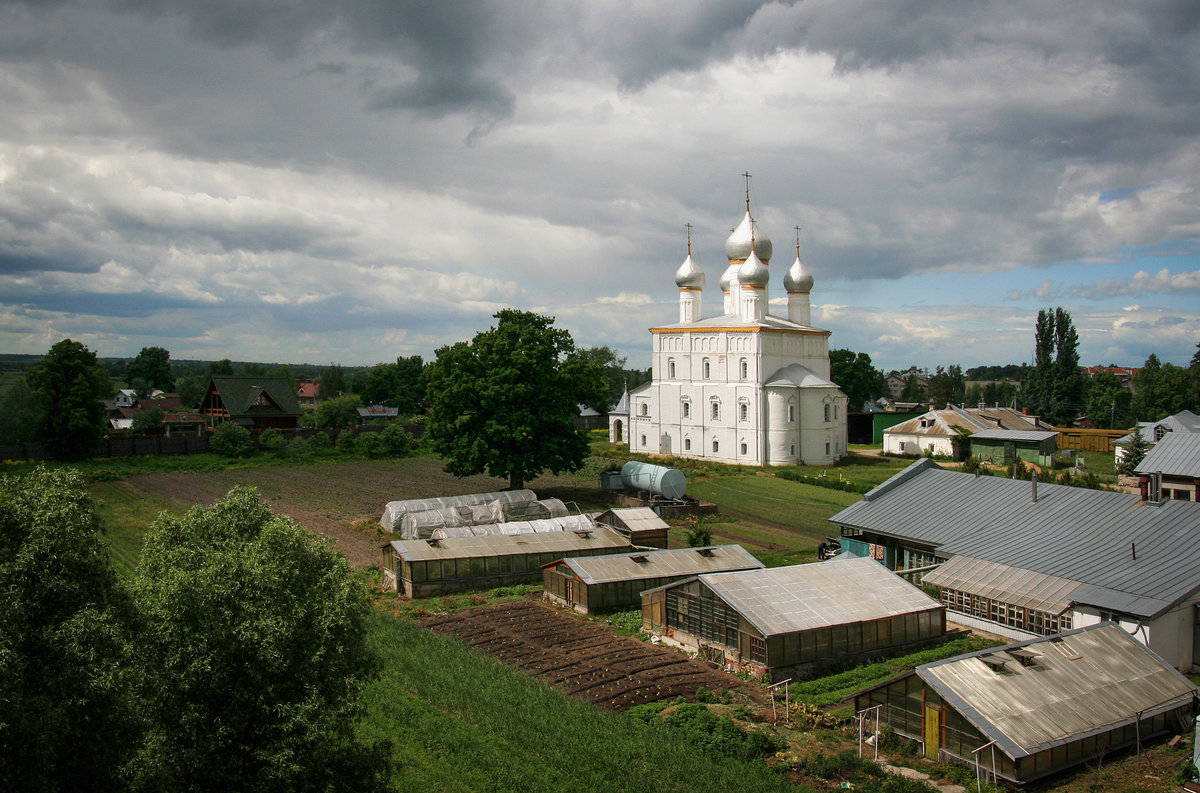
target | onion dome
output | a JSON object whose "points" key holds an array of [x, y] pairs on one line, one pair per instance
{"points": [[753, 272], [727, 277], [798, 278], [689, 276], [738, 244]]}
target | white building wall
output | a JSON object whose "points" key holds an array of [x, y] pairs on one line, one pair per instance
{"points": [[1171, 636], [911, 443]]}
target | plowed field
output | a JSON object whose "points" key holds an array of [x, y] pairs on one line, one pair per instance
{"points": [[582, 659]]}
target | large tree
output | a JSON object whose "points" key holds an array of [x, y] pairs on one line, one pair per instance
{"points": [[19, 414], [1053, 386], [149, 370], [503, 403], [70, 386], [1107, 401], [856, 376], [397, 385], [65, 718], [947, 386], [253, 650]]}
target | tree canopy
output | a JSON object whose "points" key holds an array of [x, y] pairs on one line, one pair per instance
{"points": [[70, 386], [503, 402], [150, 369], [253, 651], [397, 385], [1053, 386], [856, 376], [19, 414]]}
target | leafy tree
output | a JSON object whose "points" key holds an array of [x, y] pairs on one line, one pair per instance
{"points": [[856, 376], [913, 391], [615, 374], [504, 402], [65, 721], [332, 382], [1134, 454], [147, 422], [221, 367], [231, 439], [254, 655], [152, 367], [70, 386], [947, 386], [397, 385], [191, 389], [19, 415], [1146, 390], [1107, 401], [339, 412], [1053, 387]]}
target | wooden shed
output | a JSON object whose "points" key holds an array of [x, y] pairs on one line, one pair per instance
{"points": [[794, 621], [1027, 710], [427, 568], [1005, 446], [640, 525], [615, 582]]}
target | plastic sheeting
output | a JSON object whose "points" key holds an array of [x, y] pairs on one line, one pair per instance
{"points": [[394, 509], [507, 511], [568, 523]]}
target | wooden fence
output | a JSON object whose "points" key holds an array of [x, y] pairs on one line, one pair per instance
{"points": [[1089, 440]]}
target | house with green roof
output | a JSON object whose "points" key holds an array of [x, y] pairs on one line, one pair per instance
{"points": [[255, 402]]}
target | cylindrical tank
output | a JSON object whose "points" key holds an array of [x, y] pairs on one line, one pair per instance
{"points": [[666, 482]]}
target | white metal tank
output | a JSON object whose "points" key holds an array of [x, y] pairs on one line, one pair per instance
{"points": [[666, 482]]}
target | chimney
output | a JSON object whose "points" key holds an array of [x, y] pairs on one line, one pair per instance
{"points": [[1033, 481]]}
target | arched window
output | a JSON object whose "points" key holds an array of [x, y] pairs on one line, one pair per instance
{"points": [[835, 412], [827, 412], [646, 409], [643, 441], [685, 409], [743, 449], [716, 446], [743, 411], [670, 368], [791, 413], [687, 444], [744, 369], [716, 410], [707, 369]]}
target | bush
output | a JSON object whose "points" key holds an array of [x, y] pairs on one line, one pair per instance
{"points": [[346, 442], [272, 440], [396, 441], [297, 447], [231, 440], [320, 441], [370, 444]]}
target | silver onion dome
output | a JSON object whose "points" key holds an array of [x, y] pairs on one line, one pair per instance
{"points": [[737, 245], [689, 276], [798, 278], [753, 272]]}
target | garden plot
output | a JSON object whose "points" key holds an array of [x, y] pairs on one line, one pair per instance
{"points": [[582, 659]]}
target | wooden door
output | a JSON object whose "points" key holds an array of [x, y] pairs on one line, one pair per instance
{"points": [[933, 731]]}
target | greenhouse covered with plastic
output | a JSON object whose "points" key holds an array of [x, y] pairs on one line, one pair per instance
{"points": [[394, 510]]}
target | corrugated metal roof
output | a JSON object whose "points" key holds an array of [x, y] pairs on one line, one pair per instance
{"points": [[1080, 683], [1177, 454], [1013, 585], [640, 565], [636, 518], [563, 542], [1088, 536], [804, 596], [974, 420], [1017, 436]]}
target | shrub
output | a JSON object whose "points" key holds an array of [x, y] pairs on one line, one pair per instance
{"points": [[297, 447], [370, 444], [346, 442], [320, 441], [699, 533], [704, 695], [272, 440], [396, 441], [231, 440]]}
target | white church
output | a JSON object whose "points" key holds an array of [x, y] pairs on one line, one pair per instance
{"points": [[745, 387]]}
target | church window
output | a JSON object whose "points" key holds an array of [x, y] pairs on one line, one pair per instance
{"points": [[835, 412], [827, 450], [670, 368], [744, 411], [685, 409], [716, 446], [716, 409], [645, 409], [643, 441], [793, 450], [827, 415], [707, 369], [743, 448], [791, 414], [745, 369], [687, 444]]}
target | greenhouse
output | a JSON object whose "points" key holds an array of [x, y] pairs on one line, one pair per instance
{"points": [[426, 568], [794, 621], [394, 509], [569, 523], [615, 582], [1031, 709], [420, 525]]}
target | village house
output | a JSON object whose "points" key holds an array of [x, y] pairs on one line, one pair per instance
{"points": [[255, 402], [1185, 421], [1173, 467], [945, 432]]}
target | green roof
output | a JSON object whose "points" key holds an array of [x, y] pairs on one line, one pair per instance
{"points": [[257, 396]]}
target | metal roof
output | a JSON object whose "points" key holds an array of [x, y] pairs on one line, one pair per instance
{"points": [[640, 565], [805, 596], [1183, 421], [563, 542], [1177, 454], [974, 420], [1080, 683], [1024, 588], [1135, 556], [635, 518], [1016, 436]]}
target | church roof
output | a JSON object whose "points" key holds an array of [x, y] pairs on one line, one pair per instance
{"points": [[801, 376], [735, 322]]}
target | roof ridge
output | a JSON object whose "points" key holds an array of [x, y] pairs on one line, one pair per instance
{"points": [[904, 476]]}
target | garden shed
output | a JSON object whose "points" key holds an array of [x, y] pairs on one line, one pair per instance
{"points": [[794, 621], [427, 568], [640, 525], [1006, 446], [615, 582], [1027, 710]]}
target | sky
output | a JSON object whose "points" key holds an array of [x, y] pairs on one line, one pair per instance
{"points": [[352, 181]]}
